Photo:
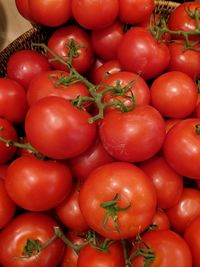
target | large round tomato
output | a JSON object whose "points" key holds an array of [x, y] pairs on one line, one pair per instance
{"points": [[23, 8], [35, 226], [58, 129], [182, 148], [139, 52], [122, 198], [133, 136]]}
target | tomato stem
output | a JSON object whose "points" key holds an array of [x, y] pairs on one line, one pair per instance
{"points": [[197, 126]]}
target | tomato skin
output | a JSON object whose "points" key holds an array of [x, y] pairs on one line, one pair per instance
{"points": [[68, 138], [58, 44], [170, 249], [23, 65], [96, 14], [94, 257], [37, 226], [134, 189], [185, 210], [127, 139], [7, 206], [23, 8], [182, 149], [163, 176], [137, 50], [161, 220], [13, 102], [174, 94], [135, 11], [37, 185], [191, 236]]}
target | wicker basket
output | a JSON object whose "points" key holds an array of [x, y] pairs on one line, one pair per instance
{"points": [[41, 35]]}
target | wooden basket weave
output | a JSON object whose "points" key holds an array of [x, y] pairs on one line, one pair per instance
{"points": [[41, 35]]}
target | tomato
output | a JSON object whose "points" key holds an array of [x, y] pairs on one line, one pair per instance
{"points": [[8, 132], [187, 61], [169, 123], [3, 170], [13, 103], [23, 65], [96, 14], [163, 176], [182, 148], [135, 11], [191, 236], [54, 83], [168, 247], [185, 210], [133, 136], [106, 41], [137, 50], [37, 185], [68, 212], [36, 226], [130, 189], [136, 86], [7, 206], [180, 19], [23, 8], [161, 220], [95, 257], [174, 94], [50, 12], [58, 129], [61, 40], [93, 157]]}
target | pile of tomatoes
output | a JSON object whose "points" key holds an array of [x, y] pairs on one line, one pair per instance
{"points": [[100, 138]]}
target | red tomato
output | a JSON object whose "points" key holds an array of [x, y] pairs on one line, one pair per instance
{"points": [[96, 14], [135, 11], [36, 226], [93, 157], [58, 129], [161, 220], [180, 20], [60, 41], [3, 170], [106, 41], [140, 53], [68, 212], [163, 176], [135, 196], [174, 94], [53, 83], [50, 12], [191, 236], [8, 132], [169, 123], [169, 249], [23, 8], [23, 65], [187, 61], [95, 257], [185, 210], [13, 103], [37, 185], [127, 139], [7, 206], [182, 148]]}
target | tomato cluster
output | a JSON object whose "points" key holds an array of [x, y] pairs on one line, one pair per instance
{"points": [[100, 138]]}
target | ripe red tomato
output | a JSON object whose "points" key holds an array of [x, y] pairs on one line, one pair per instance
{"points": [[49, 83], [37, 185], [161, 220], [50, 12], [36, 226], [140, 53], [168, 247], [96, 14], [58, 129], [23, 65], [135, 11], [185, 210], [23, 8], [182, 148], [163, 176], [60, 41], [133, 136], [135, 196]]}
